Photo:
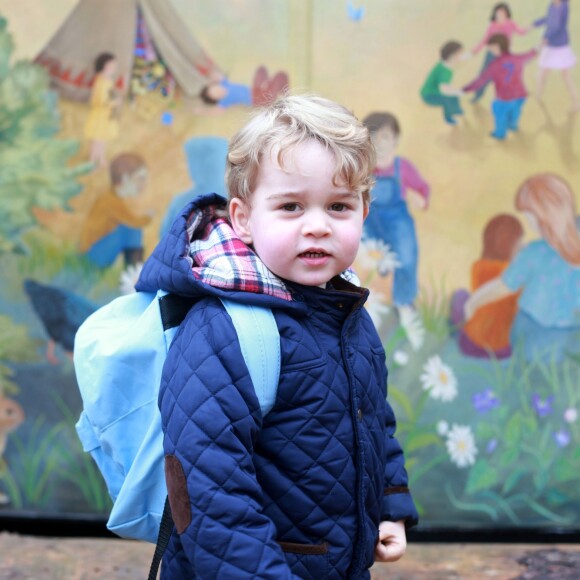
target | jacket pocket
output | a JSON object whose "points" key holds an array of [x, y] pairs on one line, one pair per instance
{"points": [[307, 560]]}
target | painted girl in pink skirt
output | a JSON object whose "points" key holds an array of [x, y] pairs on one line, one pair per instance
{"points": [[557, 54]]}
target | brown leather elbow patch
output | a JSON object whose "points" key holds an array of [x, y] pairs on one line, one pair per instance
{"points": [[396, 489], [177, 492]]}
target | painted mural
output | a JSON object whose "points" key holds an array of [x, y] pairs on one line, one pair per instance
{"points": [[472, 246]]}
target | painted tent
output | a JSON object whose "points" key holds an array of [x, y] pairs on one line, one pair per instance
{"points": [[99, 26]]}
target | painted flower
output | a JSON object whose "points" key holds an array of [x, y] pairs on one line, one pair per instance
{"points": [[562, 438], [442, 428], [485, 401], [461, 445], [542, 407], [570, 415], [491, 446], [400, 358], [388, 262], [375, 254], [439, 379], [413, 326], [129, 278], [369, 253], [376, 307]]}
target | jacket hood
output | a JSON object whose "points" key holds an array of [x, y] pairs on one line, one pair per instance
{"points": [[201, 255]]}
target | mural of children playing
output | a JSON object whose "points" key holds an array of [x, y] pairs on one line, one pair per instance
{"points": [[389, 219], [220, 93], [437, 90], [102, 123], [557, 54], [546, 271], [488, 332], [111, 226], [501, 23], [506, 73]]}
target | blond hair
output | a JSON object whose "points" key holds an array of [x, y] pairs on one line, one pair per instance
{"points": [[290, 121], [551, 200]]}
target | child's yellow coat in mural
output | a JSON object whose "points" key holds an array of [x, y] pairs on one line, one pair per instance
{"points": [[472, 251]]}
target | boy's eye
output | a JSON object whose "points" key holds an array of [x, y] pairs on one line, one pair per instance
{"points": [[290, 207], [338, 207]]}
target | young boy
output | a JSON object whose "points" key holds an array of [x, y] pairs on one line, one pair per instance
{"points": [[506, 73], [111, 226], [437, 90], [389, 219], [317, 488]]}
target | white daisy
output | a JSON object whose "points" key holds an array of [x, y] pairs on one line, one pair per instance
{"points": [[400, 358], [388, 262], [376, 307], [369, 253], [129, 278], [461, 445], [442, 428], [412, 325], [439, 380]]}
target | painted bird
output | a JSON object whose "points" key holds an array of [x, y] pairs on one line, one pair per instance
{"points": [[61, 313]]}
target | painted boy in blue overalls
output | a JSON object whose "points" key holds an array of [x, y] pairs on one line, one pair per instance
{"points": [[389, 219]]}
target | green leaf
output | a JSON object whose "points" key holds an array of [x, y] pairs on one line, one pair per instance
{"points": [[481, 476], [512, 480], [402, 401], [566, 470], [508, 457], [419, 440], [513, 431]]}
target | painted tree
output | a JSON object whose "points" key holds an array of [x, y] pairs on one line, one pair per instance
{"points": [[35, 165]]}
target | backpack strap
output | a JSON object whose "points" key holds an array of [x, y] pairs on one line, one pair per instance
{"points": [[165, 530], [260, 345]]}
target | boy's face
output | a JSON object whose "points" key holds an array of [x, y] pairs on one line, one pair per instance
{"points": [[385, 142], [110, 68], [303, 227], [455, 58], [132, 184]]}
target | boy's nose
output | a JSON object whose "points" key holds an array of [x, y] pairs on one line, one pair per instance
{"points": [[316, 225]]}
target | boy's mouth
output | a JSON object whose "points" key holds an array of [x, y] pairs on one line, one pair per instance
{"points": [[314, 254]]}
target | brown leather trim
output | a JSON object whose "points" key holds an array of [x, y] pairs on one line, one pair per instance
{"points": [[396, 489], [177, 492], [305, 549]]}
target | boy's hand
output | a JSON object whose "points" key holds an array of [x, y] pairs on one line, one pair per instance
{"points": [[392, 541]]}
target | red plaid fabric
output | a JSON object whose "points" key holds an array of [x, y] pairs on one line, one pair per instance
{"points": [[222, 260]]}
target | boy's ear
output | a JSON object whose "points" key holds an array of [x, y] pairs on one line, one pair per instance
{"points": [[240, 218], [366, 208]]}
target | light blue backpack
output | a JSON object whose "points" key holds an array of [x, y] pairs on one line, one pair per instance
{"points": [[118, 356]]}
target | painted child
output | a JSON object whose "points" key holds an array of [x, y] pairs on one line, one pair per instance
{"points": [[557, 54], [111, 226], [221, 93], [501, 23], [506, 73], [389, 219], [488, 332], [546, 271], [316, 488], [437, 90], [102, 123]]}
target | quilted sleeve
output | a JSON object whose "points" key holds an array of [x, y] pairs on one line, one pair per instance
{"points": [[397, 501], [211, 419]]}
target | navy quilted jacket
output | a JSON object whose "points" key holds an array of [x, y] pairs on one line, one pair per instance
{"points": [[299, 493]]}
